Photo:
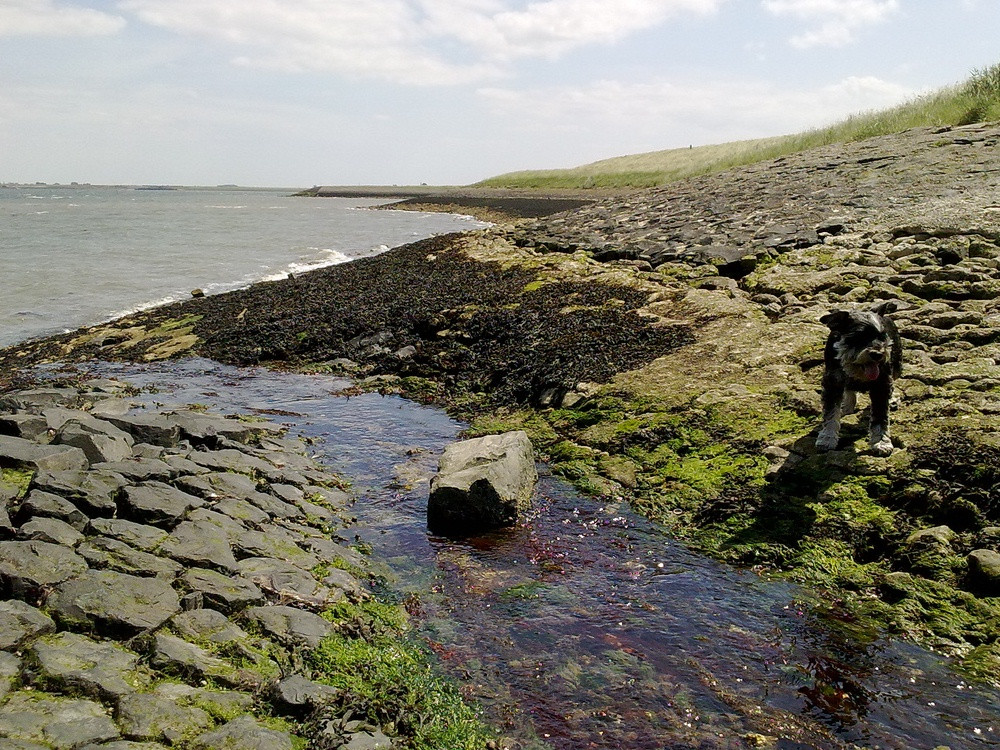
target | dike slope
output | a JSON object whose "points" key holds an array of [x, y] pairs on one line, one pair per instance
{"points": [[665, 346]]}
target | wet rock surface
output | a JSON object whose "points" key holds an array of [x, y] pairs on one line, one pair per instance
{"points": [[122, 594]]}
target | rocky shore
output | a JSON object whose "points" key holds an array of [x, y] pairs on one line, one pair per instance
{"points": [[665, 347], [178, 579]]}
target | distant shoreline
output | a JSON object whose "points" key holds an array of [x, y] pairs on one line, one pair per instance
{"points": [[490, 204]]}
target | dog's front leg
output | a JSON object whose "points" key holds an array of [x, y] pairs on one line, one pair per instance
{"points": [[833, 399], [878, 429], [849, 404]]}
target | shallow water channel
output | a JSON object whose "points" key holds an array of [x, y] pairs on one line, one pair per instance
{"points": [[585, 626]]}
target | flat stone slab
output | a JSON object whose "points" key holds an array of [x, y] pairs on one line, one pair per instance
{"points": [[276, 543], [221, 592], [140, 535], [208, 626], [28, 567], [243, 733], [50, 530], [93, 492], [149, 428], [121, 603], [47, 505], [177, 657], [288, 582], [140, 469], [99, 440], [157, 503], [200, 543], [21, 623], [59, 723], [152, 716], [291, 626], [100, 670], [15, 451], [110, 554]]}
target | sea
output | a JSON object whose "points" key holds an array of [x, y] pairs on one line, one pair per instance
{"points": [[72, 256]]}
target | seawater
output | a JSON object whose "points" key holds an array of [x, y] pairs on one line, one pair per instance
{"points": [[74, 256]]}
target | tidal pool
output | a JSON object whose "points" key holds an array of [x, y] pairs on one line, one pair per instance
{"points": [[585, 626]]}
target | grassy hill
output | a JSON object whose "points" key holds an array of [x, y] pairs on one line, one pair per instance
{"points": [[975, 100]]}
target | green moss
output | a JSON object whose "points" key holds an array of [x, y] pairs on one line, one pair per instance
{"points": [[391, 681], [18, 479]]}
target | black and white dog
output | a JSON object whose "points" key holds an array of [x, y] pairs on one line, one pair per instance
{"points": [[863, 354]]}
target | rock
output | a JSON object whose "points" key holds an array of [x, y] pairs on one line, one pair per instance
{"points": [[276, 543], [200, 543], [112, 554], [121, 603], [21, 623], [57, 723], [149, 428], [482, 483], [224, 593], [94, 492], [291, 626], [984, 571], [243, 733], [207, 429], [40, 504], [10, 673], [151, 716], [139, 535], [179, 658], [39, 398], [28, 568], [99, 440], [374, 740], [138, 469], [298, 694], [208, 626], [50, 530], [15, 451], [234, 461], [287, 582], [74, 663], [157, 503], [28, 426]]}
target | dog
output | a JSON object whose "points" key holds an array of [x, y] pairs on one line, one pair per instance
{"points": [[863, 355]]}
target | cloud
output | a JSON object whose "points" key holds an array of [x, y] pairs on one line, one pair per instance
{"points": [[436, 42], [552, 27], [832, 23], [44, 18], [665, 112]]}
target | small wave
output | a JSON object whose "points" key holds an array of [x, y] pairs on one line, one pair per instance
{"points": [[225, 206]]}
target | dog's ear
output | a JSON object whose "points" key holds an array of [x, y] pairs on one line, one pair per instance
{"points": [[838, 320], [887, 307]]}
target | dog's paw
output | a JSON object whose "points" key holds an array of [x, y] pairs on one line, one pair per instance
{"points": [[826, 442], [883, 447]]}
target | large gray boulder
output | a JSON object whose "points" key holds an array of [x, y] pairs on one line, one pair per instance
{"points": [[482, 484]]}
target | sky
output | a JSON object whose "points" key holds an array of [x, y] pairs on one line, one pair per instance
{"points": [[295, 93]]}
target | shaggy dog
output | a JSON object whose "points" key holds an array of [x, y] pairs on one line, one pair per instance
{"points": [[863, 354]]}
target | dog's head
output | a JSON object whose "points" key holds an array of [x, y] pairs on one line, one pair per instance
{"points": [[862, 340]]}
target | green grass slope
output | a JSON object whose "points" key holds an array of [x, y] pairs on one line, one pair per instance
{"points": [[975, 100]]}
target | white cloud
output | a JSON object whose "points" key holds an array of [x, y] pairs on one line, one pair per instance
{"points": [[408, 41], [44, 18], [832, 23], [551, 27], [664, 112]]}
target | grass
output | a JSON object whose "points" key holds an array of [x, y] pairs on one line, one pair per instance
{"points": [[975, 100], [392, 681]]}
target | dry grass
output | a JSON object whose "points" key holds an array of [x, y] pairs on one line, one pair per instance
{"points": [[975, 100]]}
